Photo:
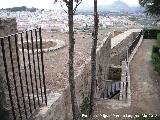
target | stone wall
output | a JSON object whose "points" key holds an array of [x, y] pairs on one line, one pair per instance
{"points": [[61, 106], [120, 45], [115, 73], [103, 62], [7, 26], [115, 33]]}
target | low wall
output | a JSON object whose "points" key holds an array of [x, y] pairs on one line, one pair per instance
{"points": [[119, 45], [8, 26], [59, 107], [125, 94]]}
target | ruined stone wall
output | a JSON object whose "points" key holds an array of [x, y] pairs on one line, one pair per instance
{"points": [[82, 80], [119, 51], [103, 62], [115, 73], [60, 108], [115, 33]]}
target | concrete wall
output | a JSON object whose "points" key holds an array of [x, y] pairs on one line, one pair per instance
{"points": [[61, 105]]}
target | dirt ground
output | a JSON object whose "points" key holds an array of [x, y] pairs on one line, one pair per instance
{"points": [[56, 67], [145, 88]]}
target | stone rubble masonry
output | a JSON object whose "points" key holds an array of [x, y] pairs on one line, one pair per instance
{"points": [[115, 72], [125, 69], [115, 33], [7, 26], [59, 105], [120, 44], [122, 102]]}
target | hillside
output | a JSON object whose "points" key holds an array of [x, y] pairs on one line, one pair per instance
{"points": [[22, 8], [117, 6]]}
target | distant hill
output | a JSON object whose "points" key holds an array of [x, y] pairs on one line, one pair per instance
{"points": [[117, 6], [22, 8]]}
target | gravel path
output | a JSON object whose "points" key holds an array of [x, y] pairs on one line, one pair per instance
{"points": [[145, 88], [145, 81]]}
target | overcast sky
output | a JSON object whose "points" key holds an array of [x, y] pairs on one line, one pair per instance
{"points": [[49, 3]]}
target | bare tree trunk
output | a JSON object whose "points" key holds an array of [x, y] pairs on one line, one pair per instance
{"points": [[71, 59], [93, 59]]}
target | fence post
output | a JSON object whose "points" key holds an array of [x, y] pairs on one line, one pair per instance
{"points": [[7, 26]]}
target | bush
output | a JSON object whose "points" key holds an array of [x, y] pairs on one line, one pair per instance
{"points": [[155, 48], [156, 57], [157, 67], [150, 33], [158, 38]]}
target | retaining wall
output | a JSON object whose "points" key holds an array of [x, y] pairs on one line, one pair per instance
{"points": [[119, 45], [59, 107], [7, 26]]}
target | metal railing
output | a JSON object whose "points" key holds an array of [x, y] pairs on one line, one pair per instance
{"points": [[111, 91], [134, 43], [124, 88], [121, 86], [24, 72]]}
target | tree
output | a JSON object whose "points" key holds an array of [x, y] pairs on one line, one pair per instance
{"points": [[152, 7], [71, 12], [93, 59]]}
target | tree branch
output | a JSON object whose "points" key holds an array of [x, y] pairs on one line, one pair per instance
{"points": [[67, 2], [63, 8], [78, 3]]}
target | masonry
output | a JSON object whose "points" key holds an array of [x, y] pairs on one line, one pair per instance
{"points": [[7, 26], [120, 44], [59, 105]]}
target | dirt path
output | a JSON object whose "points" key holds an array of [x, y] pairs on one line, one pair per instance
{"points": [[145, 88]]}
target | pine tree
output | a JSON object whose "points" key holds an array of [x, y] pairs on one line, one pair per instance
{"points": [[152, 7], [71, 11]]}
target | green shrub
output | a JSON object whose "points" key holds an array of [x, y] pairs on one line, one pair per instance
{"points": [[157, 67], [156, 57], [150, 33], [84, 109], [158, 38], [155, 48]]}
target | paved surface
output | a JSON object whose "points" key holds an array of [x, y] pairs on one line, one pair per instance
{"points": [[145, 88]]}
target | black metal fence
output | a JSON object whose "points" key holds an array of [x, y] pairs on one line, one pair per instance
{"points": [[114, 89], [111, 91], [24, 72], [134, 44]]}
